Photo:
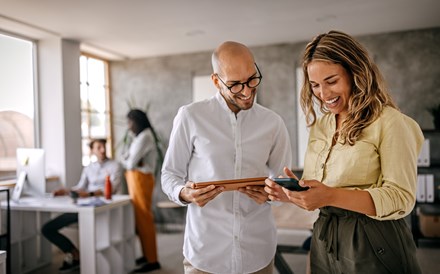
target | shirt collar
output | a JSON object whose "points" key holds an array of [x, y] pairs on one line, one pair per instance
{"points": [[100, 163], [222, 101], [224, 105]]}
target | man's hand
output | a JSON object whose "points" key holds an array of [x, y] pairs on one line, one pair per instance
{"points": [[60, 192], [199, 196], [256, 193], [82, 193]]}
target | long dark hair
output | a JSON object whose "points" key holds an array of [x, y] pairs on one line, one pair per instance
{"points": [[139, 119], [141, 122]]}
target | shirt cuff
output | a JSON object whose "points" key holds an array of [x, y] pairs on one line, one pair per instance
{"points": [[176, 195]]}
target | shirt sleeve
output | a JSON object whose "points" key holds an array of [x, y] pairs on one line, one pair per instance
{"points": [[83, 181], [281, 153], [174, 169], [138, 149], [394, 196]]}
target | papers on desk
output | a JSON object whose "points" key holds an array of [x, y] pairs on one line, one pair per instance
{"points": [[93, 201]]}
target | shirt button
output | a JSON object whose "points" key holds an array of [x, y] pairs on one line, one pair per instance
{"points": [[380, 251], [236, 237], [401, 212]]}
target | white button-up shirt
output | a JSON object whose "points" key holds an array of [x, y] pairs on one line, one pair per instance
{"points": [[231, 233], [93, 176]]}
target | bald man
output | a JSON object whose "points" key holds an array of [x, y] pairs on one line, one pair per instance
{"points": [[228, 136]]}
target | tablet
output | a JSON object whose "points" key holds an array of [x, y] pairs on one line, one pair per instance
{"points": [[233, 184]]}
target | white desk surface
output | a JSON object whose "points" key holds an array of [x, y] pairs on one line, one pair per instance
{"points": [[61, 204]]}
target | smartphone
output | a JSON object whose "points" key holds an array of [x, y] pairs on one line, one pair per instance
{"points": [[291, 184]]}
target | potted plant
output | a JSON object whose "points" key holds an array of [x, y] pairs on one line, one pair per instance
{"points": [[435, 112]]}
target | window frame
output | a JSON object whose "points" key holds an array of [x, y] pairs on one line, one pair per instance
{"points": [[36, 121], [108, 111]]}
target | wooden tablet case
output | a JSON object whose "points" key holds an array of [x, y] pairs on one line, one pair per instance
{"points": [[233, 184]]}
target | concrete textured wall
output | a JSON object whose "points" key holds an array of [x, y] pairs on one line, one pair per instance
{"points": [[409, 61]]}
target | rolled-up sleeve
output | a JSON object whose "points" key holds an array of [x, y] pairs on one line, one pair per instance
{"points": [[394, 194]]}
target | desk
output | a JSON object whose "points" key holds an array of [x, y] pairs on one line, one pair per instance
{"points": [[106, 234], [2, 262]]}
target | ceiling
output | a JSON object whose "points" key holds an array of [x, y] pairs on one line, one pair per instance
{"points": [[116, 29]]}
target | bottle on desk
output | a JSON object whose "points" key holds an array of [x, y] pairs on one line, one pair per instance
{"points": [[108, 188]]}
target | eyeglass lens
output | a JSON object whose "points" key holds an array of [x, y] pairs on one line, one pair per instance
{"points": [[251, 83]]}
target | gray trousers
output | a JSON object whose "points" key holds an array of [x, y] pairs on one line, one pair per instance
{"points": [[348, 242]]}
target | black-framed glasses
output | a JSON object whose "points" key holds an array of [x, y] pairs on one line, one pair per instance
{"points": [[252, 82]]}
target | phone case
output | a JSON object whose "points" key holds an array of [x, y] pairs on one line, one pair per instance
{"points": [[290, 183]]}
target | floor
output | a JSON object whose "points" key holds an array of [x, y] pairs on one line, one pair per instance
{"points": [[170, 255]]}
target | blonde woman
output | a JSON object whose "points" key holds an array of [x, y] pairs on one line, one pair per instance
{"points": [[360, 165]]}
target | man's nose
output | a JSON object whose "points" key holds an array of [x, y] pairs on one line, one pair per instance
{"points": [[247, 91]]}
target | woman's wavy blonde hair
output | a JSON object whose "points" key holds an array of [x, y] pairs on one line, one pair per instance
{"points": [[369, 93]]}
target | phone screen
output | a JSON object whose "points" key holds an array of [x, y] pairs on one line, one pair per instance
{"points": [[290, 183]]}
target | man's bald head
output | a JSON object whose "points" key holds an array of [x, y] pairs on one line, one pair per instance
{"points": [[229, 54]]}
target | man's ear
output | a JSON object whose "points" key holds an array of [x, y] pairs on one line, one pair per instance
{"points": [[215, 80]]}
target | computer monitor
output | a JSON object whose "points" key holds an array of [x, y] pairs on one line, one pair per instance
{"points": [[31, 179]]}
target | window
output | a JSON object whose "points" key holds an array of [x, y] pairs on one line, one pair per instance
{"points": [[95, 104], [18, 101]]}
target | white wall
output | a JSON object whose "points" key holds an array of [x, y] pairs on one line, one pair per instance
{"points": [[58, 67], [203, 88], [72, 110]]}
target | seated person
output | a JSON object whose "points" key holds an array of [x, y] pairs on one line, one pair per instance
{"points": [[92, 183]]}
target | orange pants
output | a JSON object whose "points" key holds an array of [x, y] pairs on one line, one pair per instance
{"points": [[140, 188]]}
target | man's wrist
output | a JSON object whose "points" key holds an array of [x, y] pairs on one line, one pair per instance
{"points": [[181, 199]]}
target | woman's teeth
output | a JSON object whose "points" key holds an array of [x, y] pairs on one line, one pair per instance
{"points": [[332, 100]]}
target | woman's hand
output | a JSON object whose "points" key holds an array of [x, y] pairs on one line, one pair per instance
{"points": [[318, 195], [275, 191]]}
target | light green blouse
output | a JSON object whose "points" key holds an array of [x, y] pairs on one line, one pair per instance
{"points": [[383, 161]]}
